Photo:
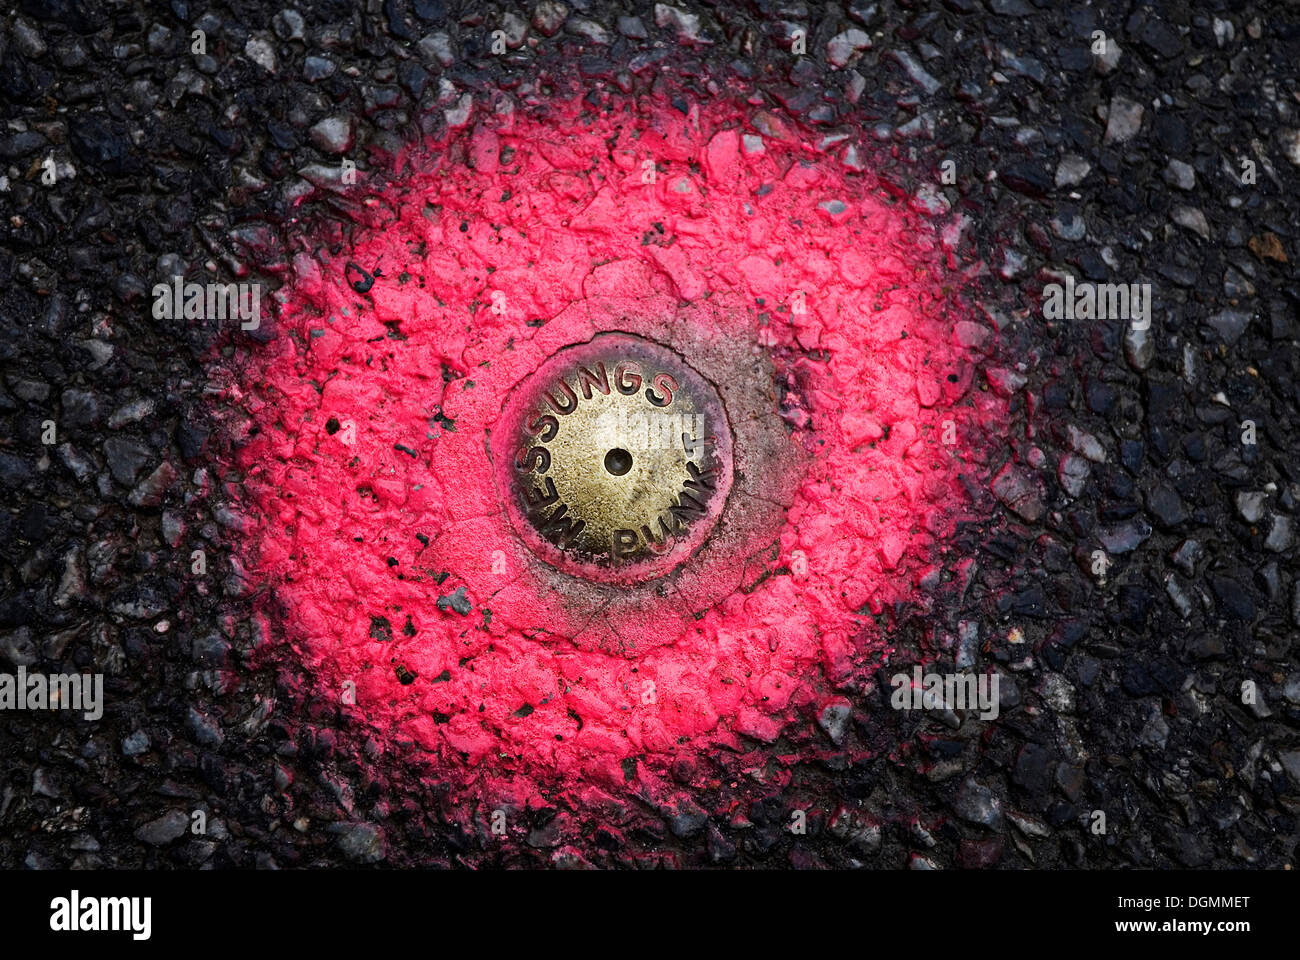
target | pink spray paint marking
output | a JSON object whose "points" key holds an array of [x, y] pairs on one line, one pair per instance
{"points": [[486, 253]]}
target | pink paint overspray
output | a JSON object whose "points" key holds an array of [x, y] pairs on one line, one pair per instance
{"points": [[373, 514]]}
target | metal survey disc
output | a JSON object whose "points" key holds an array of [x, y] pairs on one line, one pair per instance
{"points": [[613, 459]]}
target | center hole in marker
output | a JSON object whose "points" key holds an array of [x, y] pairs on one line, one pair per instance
{"points": [[618, 461]]}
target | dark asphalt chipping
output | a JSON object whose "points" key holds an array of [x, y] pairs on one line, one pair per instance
{"points": [[1120, 692]]}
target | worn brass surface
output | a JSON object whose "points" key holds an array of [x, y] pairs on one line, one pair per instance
{"points": [[617, 459]]}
